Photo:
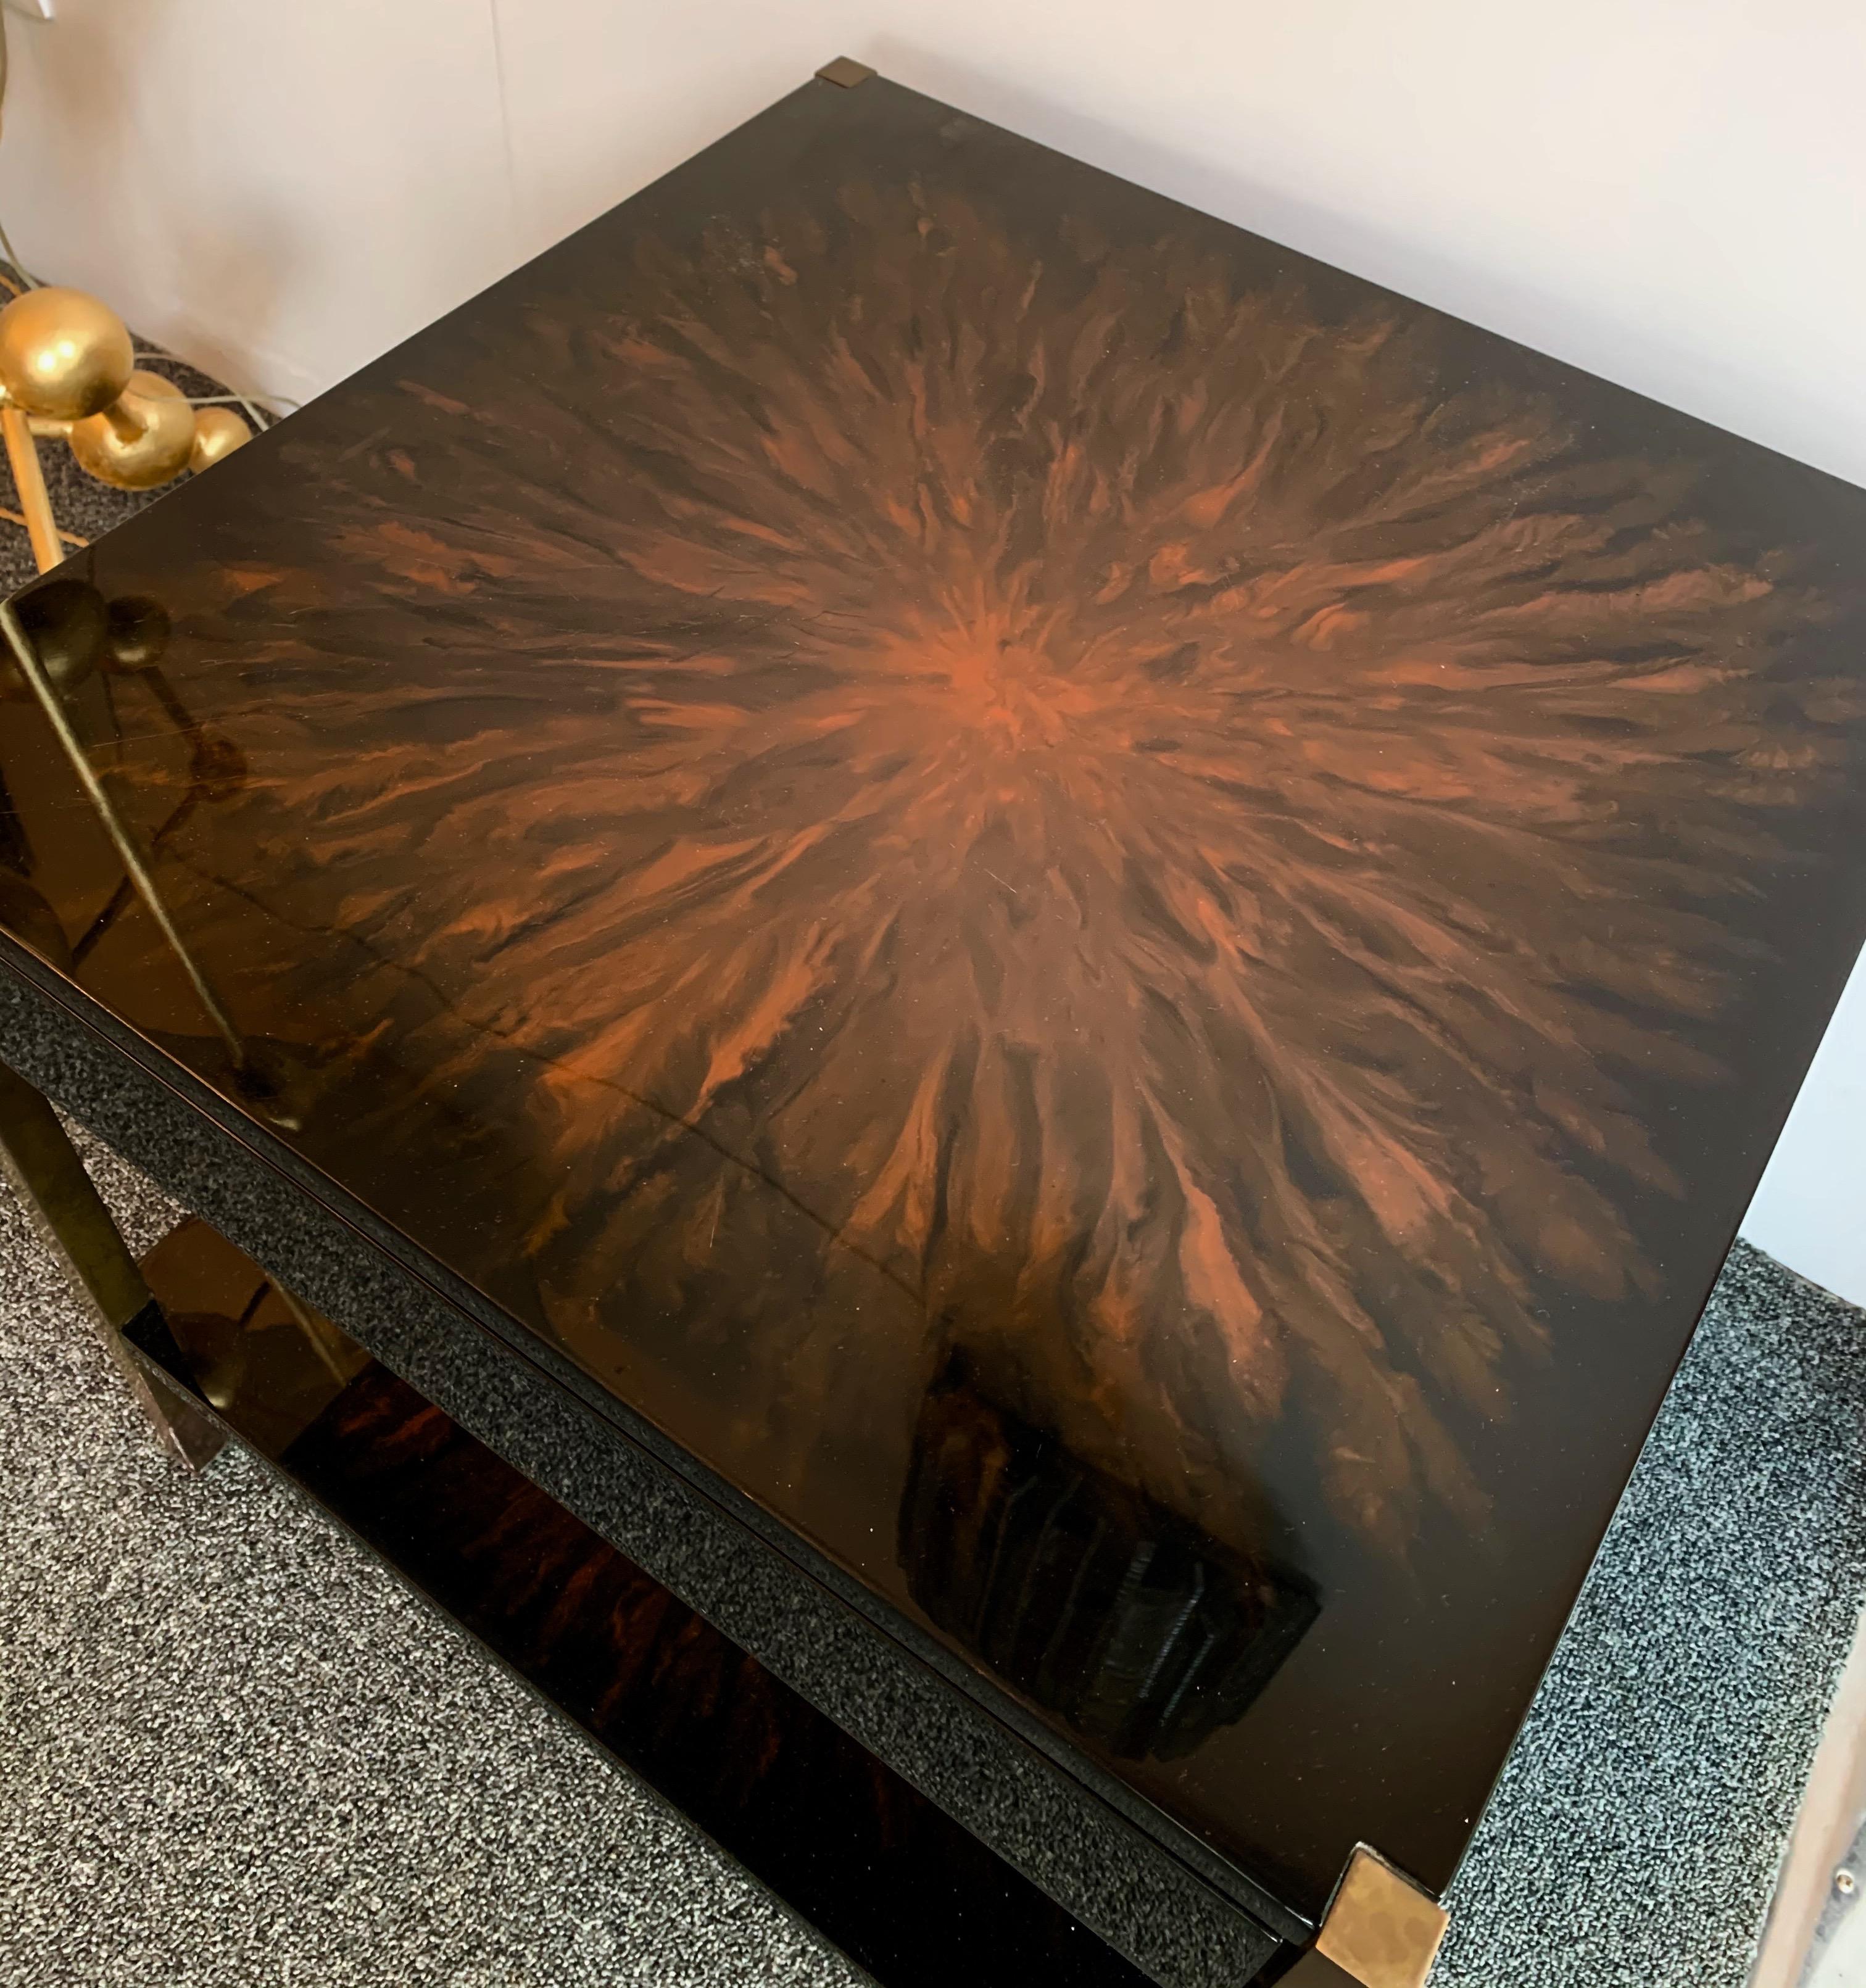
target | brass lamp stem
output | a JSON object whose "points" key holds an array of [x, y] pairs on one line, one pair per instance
{"points": [[124, 420], [22, 453]]}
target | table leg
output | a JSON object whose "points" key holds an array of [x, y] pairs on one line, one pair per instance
{"points": [[43, 1166]]}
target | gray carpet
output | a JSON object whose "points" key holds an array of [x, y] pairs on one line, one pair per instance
{"points": [[234, 1750], [1634, 1839]]}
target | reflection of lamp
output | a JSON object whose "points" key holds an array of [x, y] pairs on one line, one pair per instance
{"points": [[67, 368], [1092, 1600], [56, 637], [70, 625]]}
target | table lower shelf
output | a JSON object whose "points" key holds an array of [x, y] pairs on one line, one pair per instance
{"points": [[878, 1869]]}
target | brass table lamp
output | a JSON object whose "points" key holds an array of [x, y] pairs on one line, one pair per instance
{"points": [[68, 369]]}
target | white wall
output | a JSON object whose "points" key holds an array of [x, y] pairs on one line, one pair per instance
{"points": [[1672, 195]]}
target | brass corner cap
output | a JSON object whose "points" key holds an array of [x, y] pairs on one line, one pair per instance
{"points": [[1382, 1930], [845, 72]]}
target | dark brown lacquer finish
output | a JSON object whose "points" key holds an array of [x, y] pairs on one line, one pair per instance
{"points": [[1119, 921]]}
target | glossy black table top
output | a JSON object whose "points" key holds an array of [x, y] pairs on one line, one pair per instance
{"points": [[1118, 921]]}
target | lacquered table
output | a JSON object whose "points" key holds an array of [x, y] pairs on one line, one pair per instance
{"points": [[1015, 963]]}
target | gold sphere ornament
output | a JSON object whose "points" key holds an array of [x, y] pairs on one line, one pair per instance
{"points": [[218, 431], [63, 355], [142, 438]]}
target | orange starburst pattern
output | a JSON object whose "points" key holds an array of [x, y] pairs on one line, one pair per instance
{"points": [[1169, 834]]}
